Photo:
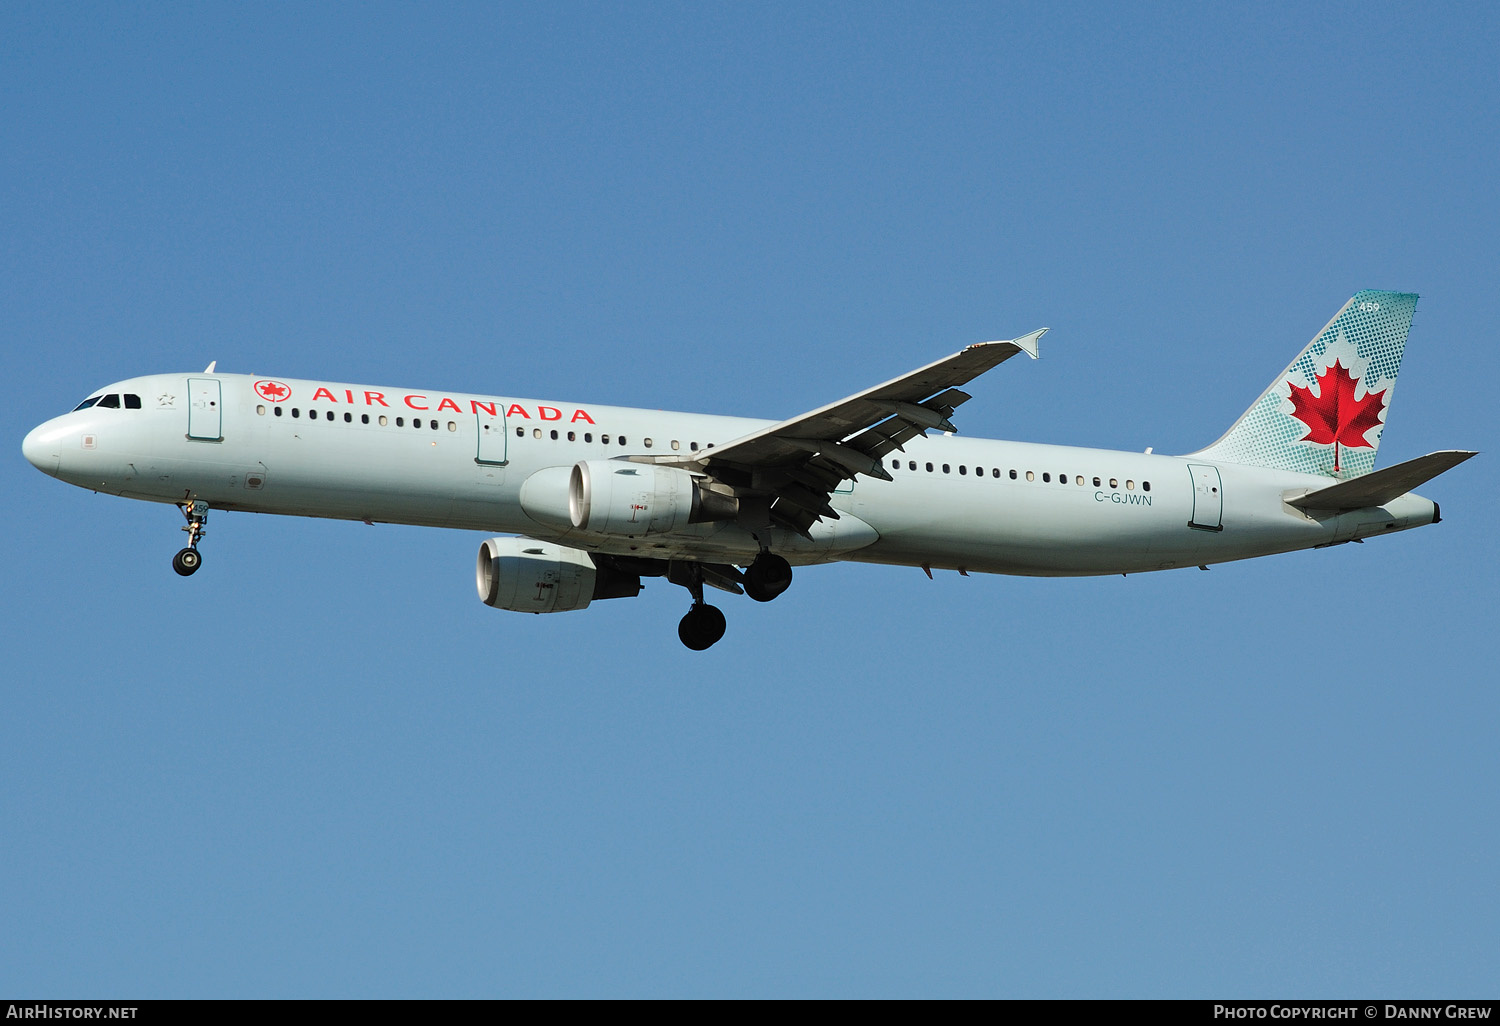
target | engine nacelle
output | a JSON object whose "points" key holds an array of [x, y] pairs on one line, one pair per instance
{"points": [[633, 499], [539, 577]]}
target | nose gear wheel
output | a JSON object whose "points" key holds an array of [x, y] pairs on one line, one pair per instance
{"points": [[188, 560]]}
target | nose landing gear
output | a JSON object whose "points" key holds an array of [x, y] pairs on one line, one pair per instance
{"points": [[188, 560]]}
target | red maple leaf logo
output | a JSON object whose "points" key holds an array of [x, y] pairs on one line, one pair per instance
{"points": [[1333, 416], [272, 390]]}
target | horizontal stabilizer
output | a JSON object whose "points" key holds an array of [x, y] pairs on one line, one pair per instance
{"points": [[1381, 486]]}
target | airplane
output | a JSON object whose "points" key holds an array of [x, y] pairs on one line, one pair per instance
{"points": [[586, 500]]}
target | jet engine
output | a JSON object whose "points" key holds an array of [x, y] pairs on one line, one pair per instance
{"points": [[539, 577], [617, 497]]}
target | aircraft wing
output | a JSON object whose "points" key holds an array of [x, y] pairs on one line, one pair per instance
{"points": [[795, 465]]}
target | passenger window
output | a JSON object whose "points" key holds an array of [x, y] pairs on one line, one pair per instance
{"points": [[945, 468], [260, 411], [572, 436], [1114, 482], [603, 439], [1145, 486], [588, 436], [132, 402], [536, 432], [452, 426], [622, 439], [110, 402], [383, 420], [276, 410], [90, 401], [330, 414], [1030, 475], [296, 412], [364, 418], [348, 418], [911, 464], [1079, 482], [401, 422], [1045, 477], [1012, 474], [962, 471], [1096, 482], [646, 442], [676, 445], [433, 425], [693, 446], [554, 434], [895, 464], [1129, 486], [996, 472]]}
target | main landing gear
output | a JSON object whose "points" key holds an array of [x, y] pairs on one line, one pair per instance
{"points": [[765, 578], [188, 560], [768, 576], [704, 624]]}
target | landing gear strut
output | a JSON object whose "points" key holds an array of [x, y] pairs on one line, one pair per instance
{"points": [[704, 624], [188, 560], [768, 576]]}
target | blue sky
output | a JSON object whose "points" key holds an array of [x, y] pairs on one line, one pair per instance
{"points": [[321, 767]]}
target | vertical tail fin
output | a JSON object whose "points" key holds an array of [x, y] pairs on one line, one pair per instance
{"points": [[1325, 413]]}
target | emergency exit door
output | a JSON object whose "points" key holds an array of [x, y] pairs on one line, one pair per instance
{"points": [[492, 440]]}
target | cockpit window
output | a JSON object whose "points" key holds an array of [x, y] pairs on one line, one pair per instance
{"points": [[109, 402], [132, 402], [91, 400]]}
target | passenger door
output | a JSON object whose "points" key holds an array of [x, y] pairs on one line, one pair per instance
{"points": [[1208, 498], [493, 443], [205, 414]]}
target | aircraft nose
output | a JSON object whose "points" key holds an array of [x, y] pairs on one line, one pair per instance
{"points": [[41, 450]]}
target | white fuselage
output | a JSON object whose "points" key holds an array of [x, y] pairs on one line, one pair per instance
{"points": [[500, 465]]}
